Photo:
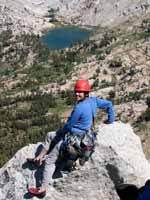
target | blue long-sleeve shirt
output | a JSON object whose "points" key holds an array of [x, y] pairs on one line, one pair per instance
{"points": [[81, 118]]}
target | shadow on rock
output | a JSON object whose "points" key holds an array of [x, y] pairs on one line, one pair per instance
{"points": [[127, 191], [30, 196], [31, 164]]}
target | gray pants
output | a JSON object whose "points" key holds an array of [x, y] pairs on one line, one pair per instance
{"points": [[51, 158], [50, 162]]}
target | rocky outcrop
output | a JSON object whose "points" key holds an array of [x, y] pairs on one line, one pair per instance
{"points": [[118, 158]]}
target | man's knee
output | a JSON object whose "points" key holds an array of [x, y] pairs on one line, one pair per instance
{"points": [[51, 135]]}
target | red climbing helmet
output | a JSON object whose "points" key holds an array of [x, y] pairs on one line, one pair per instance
{"points": [[82, 85]]}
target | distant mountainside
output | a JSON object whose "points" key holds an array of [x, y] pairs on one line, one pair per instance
{"points": [[32, 16]]}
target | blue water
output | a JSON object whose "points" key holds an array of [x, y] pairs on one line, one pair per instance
{"points": [[60, 38]]}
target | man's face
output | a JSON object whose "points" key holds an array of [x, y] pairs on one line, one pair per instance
{"points": [[79, 96]]}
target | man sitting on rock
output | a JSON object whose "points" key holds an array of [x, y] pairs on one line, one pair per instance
{"points": [[76, 133]]}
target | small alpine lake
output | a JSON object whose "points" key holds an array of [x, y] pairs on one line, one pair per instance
{"points": [[60, 38]]}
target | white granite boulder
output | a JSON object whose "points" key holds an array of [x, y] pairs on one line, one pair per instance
{"points": [[118, 158]]}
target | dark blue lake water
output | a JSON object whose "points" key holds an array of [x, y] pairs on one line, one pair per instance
{"points": [[60, 38]]}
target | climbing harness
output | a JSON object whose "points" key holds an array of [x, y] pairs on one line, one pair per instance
{"points": [[77, 146], [87, 146], [72, 144]]}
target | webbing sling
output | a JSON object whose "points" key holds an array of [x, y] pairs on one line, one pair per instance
{"points": [[93, 118]]}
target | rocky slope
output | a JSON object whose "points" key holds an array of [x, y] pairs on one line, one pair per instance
{"points": [[119, 67], [118, 159], [99, 12], [32, 16], [27, 16]]}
